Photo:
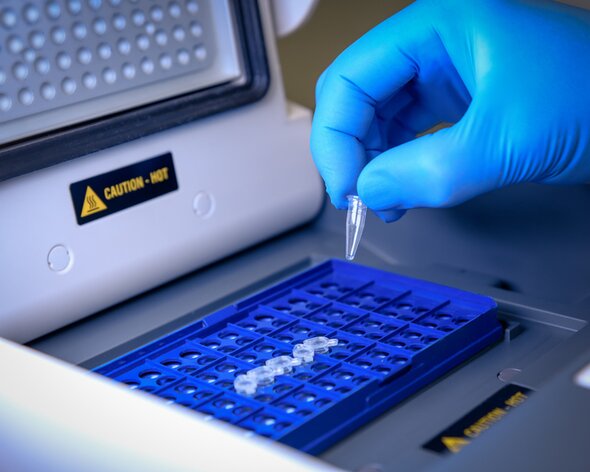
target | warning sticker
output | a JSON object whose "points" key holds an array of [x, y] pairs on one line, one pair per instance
{"points": [[480, 419], [92, 203], [122, 188]]}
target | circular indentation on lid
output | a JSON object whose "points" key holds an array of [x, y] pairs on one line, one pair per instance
{"points": [[53, 9], [109, 75], [84, 56], [104, 51], [68, 85], [26, 96], [165, 61], [200, 53], [156, 13], [58, 35], [89, 80], [443, 316], [138, 17], [178, 33], [29, 55], [15, 44], [100, 26], [20, 71], [74, 6], [128, 71], [142, 41], [64, 61], [119, 22], [147, 66], [31, 13], [79, 30], [174, 9], [430, 339], [5, 102], [196, 29], [404, 306], [124, 46], [150, 28], [192, 7], [37, 39], [161, 37], [8, 17], [414, 347], [95, 4], [42, 65], [48, 91]]}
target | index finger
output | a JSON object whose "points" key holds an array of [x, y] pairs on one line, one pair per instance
{"points": [[370, 71]]}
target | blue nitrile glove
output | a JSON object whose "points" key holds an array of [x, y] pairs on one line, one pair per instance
{"points": [[514, 75]]}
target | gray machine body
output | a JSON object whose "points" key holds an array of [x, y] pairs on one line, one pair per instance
{"points": [[525, 246]]}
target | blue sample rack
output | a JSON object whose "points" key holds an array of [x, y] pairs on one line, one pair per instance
{"points": [[396, 335]]}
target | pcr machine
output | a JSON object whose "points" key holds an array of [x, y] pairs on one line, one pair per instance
{"points": [[163, 232]]}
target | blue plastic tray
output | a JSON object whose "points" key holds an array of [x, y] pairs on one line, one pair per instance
{"points": [[396, 335]]}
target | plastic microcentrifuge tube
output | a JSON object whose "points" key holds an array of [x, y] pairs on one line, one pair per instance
{"points": [[355, 224], [262, 375], [282, 364], [303, 352], [320, 343], [245, 385]]}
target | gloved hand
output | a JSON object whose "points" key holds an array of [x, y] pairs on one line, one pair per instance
{"points": [[513, 75]]}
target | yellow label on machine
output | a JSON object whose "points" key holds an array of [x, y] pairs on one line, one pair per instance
{"points": [[119, 189], [92, 203]]}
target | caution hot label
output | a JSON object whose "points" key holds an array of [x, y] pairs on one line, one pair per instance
{"points": [[122, 188], [478, 420]]}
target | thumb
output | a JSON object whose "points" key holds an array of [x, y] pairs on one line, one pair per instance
{"points": [[436, 170]]}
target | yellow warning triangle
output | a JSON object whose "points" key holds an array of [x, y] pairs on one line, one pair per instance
{"points": [[92, 203], [454, 444]]}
